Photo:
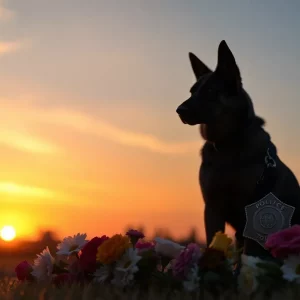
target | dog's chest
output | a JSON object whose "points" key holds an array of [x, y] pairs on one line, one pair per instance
{"points": [[233, 185]]}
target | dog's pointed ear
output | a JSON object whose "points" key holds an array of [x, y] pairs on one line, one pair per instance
{"points": [[227, 67], [198, 66]]}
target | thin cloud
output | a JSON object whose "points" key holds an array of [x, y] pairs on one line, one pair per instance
{"points": [[84, 123], [12, 188], [26, 142]]}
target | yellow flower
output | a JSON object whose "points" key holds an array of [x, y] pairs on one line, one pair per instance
{"points": [[221, 242], [112, 249]]}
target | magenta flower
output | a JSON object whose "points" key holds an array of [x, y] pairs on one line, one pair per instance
{"points": [[186, 259], [23, 271], [144, 246], [285, 242], [135, 233], [134, 236]]}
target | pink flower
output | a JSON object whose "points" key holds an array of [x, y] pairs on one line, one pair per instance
{"points": [[186, 259], [135, 233], [144, 246], [285, 242], [23, 271], [62, 279], [87, 258]]}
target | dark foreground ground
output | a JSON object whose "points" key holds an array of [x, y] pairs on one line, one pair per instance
{"points": [[98, 292]]}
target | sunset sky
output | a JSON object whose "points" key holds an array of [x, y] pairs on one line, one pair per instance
{"points": [[89, 137]]}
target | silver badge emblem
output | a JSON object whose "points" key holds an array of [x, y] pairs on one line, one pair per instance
{"points": [[266, 216]]}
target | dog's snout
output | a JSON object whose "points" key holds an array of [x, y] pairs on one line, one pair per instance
{"points": [[181, 109]]}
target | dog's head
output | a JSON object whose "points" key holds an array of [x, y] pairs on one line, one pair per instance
{"points": [[218, 101]]}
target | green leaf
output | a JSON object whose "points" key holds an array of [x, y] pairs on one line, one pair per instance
{"points": [[270, 269], [268, 265], [210, 277], [62, 264], [59, 270]]}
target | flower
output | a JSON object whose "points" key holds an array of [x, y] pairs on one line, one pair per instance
{"points": [[23, 271], [247, 280], [291, 269], [43, 265], [167, 248], [285, 242], [126, 267], [71, 244], [221, 242], [144, 246], [192, 279], [211, 259], [135, 233], [87, 257], [112, 249], [103, 273], [62, 279], [186, 259], [134, 236]]}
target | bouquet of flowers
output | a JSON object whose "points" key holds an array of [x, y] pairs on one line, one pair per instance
{"points": [[264, 275], [128, 260]]}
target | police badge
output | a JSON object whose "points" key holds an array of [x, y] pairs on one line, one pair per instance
{"points": [[266, 216]]}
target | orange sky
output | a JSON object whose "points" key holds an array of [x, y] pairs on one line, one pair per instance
{"points": [[89, 138], [71, 172]]}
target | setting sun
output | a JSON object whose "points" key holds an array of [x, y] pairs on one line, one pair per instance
{"points": [[8, 233]]}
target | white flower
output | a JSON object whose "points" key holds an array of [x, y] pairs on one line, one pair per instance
{"points": [[192, 280], [251, 261], [291, 269], [125, 268], [167, 248], [43, 265], [71, 244], [247, 282], [102, 274]]}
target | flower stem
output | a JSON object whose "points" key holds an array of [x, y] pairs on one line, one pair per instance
{"points": [[164, 262]]}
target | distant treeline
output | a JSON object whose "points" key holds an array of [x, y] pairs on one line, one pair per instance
{"points": [[49, 238]]}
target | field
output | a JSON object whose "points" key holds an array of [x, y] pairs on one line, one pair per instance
{"points": [[12, 291], [158, 285]]}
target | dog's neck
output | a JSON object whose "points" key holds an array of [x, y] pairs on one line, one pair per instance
{"points": [[247, 131], [249, 142]]}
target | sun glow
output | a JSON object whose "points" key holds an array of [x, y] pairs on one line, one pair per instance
{"points": [[8, 233]]}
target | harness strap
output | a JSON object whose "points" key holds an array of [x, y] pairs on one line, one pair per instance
{"points": [[264, 185]]}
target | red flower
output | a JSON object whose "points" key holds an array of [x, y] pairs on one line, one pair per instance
{"points": [[23, 271], [87, 258], [62, 279], [285, 242]]}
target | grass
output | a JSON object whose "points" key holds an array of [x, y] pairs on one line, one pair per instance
{"points": [[10, 289]]}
